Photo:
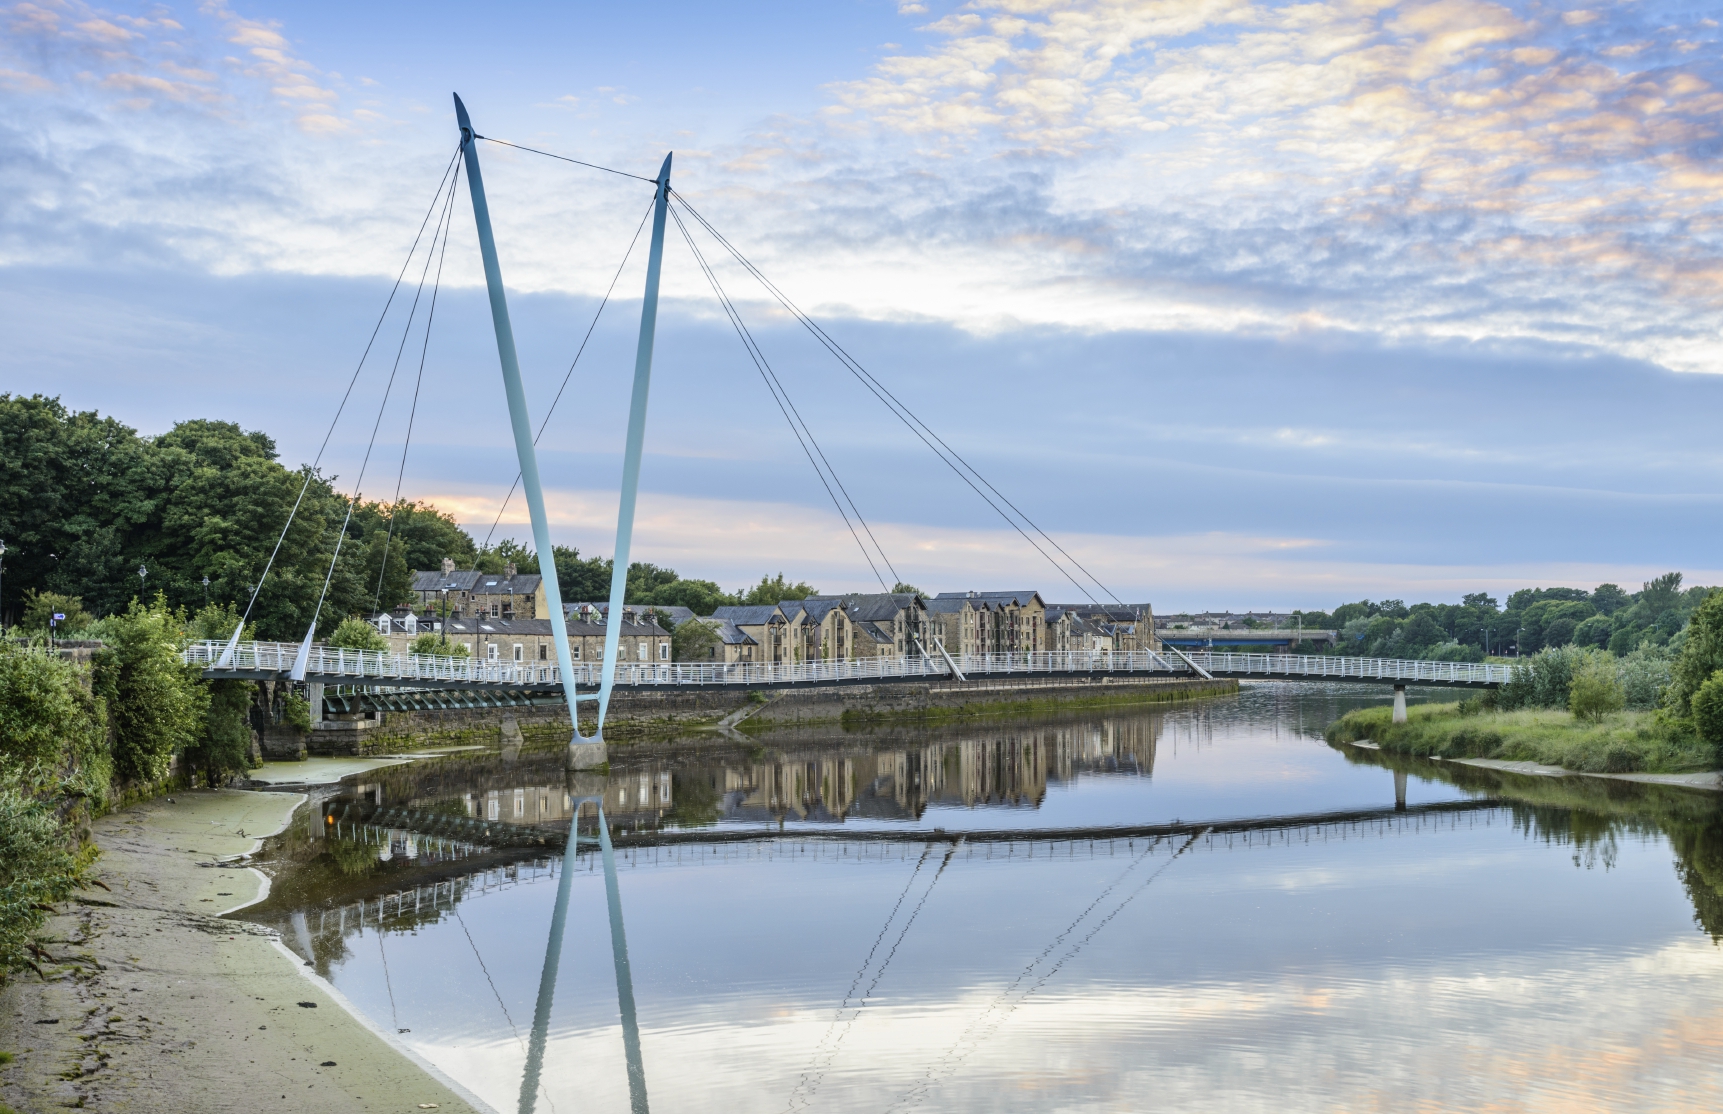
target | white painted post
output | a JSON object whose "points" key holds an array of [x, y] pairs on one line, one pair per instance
{"points": [[1399, 703]]}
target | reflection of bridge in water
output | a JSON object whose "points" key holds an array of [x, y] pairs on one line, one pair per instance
{"points": [[404, 908]]}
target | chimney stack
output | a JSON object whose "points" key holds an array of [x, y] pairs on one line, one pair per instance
{"points": [[448, 565], [509, 570]]}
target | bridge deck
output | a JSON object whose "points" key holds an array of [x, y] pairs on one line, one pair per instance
{"points": [[330, 665]]}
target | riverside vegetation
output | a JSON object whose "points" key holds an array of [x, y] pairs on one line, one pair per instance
{"points": [[1653, 710], [78, 739]]}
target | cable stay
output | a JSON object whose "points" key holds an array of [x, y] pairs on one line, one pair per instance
{"points": [[311, 469], [804, 435], [955, 461], [441, 231], [418, 382], [569, 374]]}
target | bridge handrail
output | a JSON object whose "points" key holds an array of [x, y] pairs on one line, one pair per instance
{"points": [[350, 666]]}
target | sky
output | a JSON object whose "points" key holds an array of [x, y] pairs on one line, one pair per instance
{"points": [[1246, 305]]}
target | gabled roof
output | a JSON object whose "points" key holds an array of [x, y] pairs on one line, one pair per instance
{"points": [[877, 633], [878, 606], [496, 584], [1020, 598], [757, 615], [951, 603], [816, 608], [729, 633], [461, 580]]}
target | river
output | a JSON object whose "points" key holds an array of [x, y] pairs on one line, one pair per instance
{"points": [[1199, 907]]}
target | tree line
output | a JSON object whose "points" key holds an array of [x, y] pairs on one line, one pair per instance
{"points": [[95, 515], [1606, 618]]}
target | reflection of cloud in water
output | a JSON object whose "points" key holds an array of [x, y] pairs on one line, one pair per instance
{"points": [[1521, 1032]]}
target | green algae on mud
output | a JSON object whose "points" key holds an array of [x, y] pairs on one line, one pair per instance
{"points": [[1619, 743]]}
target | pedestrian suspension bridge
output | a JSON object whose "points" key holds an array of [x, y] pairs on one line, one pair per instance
{"points": [[311, 662]]}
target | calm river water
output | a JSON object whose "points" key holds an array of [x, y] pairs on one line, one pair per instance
{"points": [[1203, 908]]}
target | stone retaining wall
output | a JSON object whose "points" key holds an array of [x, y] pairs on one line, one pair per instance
{"points": [[642, 709]]}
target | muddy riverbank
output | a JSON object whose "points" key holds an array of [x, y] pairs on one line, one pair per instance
{"points": [[153, 1003]]}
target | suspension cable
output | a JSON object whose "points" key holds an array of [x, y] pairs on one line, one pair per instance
{"points": [[311, 469], [774, 388], [413, 411], [382, 407], [569, 374], [798, 414], [564, 158], [903, 413]]}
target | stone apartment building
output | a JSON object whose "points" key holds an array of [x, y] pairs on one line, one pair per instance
{"points": [[510, 594]]}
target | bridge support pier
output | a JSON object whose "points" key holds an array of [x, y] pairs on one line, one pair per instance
{"points": [[1399, 703], [314, 697], [586, 755], [1399, 790]]}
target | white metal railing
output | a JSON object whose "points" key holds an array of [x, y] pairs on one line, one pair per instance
{"points": [[331, 664]]}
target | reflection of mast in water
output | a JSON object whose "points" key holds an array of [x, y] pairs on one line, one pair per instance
{"points": [[583, 788]]}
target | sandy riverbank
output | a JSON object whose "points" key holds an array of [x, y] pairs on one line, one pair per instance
{"points": [[156, 1005]]}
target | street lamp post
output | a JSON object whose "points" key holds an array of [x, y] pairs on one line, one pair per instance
{"points": [[206, 591], [2, 587], [443, 627], [143, 574]]}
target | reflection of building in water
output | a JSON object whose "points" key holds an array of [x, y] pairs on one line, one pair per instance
{"points": [[637, 799], [880, 779], [1010, 770]]}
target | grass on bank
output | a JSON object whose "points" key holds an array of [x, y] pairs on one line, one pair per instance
{"points": [[1618, 743]]}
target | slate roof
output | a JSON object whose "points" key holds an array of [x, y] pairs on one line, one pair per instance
{"points": [[730, 634], [877, 606], [1020, 598], [757, 615], [875, 632], [678, 614], [541, 628], [496, 584], [461, 580]]}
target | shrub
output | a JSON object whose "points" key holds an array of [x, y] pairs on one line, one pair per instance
{"points": [[156, 702], [432, 645], [693, 641], [1595, 692], [36, 868], [52, 732], [39, 607], [1542, 680], [1453, 651], [296, 711], [225, 745], [356, 634], [1644, 675], [1701, 654], [1708, 710]]}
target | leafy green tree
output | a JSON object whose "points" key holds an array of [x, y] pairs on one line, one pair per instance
{"points": [[384, 565], [355, 633], [1595, 692], [902, 589], [1609, 598], [583, 580], [1708, 710], [426, 535], [1701, 656], [1660, 595], [40, 607], [775, 590], [52, 732], [1479, 601], [156, 703], [224, 748], [432, 645], [1595, 631], [693, 640], [699, 596]]}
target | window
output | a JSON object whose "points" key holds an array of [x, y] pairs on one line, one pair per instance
{"points": [[496, 611], [543, 652], [640, 650], [491, 652], [520, 652], [664, 651], [574, 653]]}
